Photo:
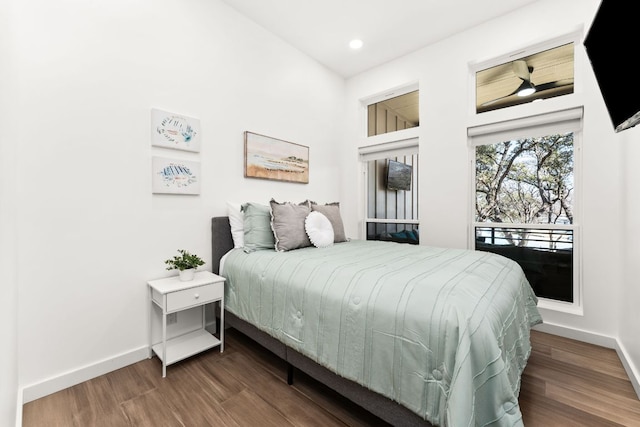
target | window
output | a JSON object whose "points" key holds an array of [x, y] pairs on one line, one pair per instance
{"points": [[525, 198], [391, 210], [393, 114], [390, 165], [540, 75]]}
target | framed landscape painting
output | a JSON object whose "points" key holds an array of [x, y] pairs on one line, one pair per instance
{"points": [[271, 158]]}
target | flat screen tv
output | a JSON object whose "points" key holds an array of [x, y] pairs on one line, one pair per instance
{"points": [[611, 44], [399, 176]]}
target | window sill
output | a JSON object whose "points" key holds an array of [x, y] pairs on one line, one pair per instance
{"points": [[559, 306]]}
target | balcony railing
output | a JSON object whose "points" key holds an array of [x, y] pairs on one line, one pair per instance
{"points": [[545, 255], [401, 231]]}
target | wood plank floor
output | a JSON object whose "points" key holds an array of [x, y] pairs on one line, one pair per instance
{"points": [[566, 383]]}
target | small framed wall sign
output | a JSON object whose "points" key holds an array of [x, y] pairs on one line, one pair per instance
{"points": [[174, 176], [271, 158], [171, 130]]}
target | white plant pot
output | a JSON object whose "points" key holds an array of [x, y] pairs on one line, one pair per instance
{"points": [[186, 275]]}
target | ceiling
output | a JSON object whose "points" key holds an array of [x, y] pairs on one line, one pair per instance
{"points": [[323, 29]]}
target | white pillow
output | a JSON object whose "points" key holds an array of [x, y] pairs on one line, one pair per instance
{"points": [[319, 229], [236, 220]]}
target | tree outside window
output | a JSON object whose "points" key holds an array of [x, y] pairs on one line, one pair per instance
{"points": [[520, 185]]}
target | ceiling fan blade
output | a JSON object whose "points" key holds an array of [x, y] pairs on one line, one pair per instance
{"points": [[552, 85], [521, 69], [493, 101], [539, 88]]}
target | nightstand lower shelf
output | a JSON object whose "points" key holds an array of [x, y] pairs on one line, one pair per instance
{"points": [[186, 345]]}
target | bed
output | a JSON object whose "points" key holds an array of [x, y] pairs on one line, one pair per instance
{"points": [[417, 335]]}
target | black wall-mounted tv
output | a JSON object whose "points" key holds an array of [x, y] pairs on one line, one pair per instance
{"points": [[399, 176], [611, 44]]}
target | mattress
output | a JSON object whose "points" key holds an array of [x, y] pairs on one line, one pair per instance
{"points": [[443, 332]]}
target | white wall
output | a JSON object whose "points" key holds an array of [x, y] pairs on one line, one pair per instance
{"points": [[629, 314], [8, 274], [90, 233], [443, 73], [9, 306], [8, 279]]}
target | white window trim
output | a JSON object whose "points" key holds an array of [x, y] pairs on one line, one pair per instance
{"points": [[388, 94], [402, 147], [574, 36], [393, 221], [569, 120]]}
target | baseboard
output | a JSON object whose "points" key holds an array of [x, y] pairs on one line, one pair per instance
{"points": [[577, 334], [596, 339], [634, 375], [19, 404], [71, 378]]}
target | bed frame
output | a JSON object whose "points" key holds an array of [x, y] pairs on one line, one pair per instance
{"points": [[381, 406]]}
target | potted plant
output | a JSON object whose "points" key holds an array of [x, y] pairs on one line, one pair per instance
{"points": [[186, 264]]}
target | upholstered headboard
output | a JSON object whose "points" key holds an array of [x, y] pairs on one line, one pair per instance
{"points": [[221, 240]]}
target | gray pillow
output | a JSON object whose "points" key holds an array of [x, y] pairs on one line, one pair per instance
{"points": [[287, 223], [257, 227], [332, 211]]}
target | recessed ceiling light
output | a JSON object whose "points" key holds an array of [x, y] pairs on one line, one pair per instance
{"points": [[355, 44]]}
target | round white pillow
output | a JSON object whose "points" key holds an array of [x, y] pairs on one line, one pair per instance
{"points": [[319, 229]]}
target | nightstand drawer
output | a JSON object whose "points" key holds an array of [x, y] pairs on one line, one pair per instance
{"points": [[194, 296]]}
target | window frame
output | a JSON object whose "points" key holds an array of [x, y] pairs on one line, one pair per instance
{"points": [[569, 120]]}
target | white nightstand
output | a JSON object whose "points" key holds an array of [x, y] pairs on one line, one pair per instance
{"points": [[171, 295]]}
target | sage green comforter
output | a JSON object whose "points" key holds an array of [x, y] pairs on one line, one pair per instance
{"points": [[444, 332]]}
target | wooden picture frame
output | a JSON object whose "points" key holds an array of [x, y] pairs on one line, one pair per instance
{"points": [[275, 159]]}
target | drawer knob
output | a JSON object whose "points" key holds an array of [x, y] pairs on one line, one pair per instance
{"points": [[197, 296]]}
